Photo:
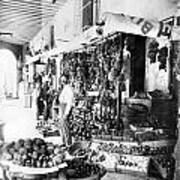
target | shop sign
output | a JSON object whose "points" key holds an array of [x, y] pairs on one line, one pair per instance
{"points": [[135, 25]]}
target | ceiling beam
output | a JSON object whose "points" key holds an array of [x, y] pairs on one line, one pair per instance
{"points": [[29, 5], [20, 21]]}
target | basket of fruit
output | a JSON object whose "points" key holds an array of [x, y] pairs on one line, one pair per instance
{"points": [[78, 150], [33, 157], [78, 169]]}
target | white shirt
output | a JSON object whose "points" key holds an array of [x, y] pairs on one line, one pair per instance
{"points": [[67, 98]]}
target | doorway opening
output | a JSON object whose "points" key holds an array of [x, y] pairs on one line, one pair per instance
{"points": [[8, 74]]}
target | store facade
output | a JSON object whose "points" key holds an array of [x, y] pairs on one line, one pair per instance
{"points": [[126, 102]]}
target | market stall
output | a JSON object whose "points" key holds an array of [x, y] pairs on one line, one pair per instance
{"points": [[115, 108], [121, 77]]}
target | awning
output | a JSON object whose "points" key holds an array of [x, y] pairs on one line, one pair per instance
{"points": [[78, 42], [134, 25], [112, 23]]}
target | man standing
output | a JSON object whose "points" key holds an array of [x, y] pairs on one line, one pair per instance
{"points": [[66, 100]]}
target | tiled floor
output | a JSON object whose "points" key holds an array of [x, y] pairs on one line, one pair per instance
{"points": [[20, 123]]}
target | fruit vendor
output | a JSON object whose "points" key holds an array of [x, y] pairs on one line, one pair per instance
{"points": [[66, 101]]}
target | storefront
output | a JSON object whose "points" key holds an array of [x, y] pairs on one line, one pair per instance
{"points": [[118, 109], [122, 81]]}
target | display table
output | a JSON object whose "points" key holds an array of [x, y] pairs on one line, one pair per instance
{"points": [[116, 176], [12, 172]]}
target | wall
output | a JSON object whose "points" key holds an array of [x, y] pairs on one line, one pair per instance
{"points": [[68, 20], [65, 27], [16, 49], [42, 38], [154, 9], [64, 22]]}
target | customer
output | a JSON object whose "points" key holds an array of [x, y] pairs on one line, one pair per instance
{"points": [[66, 100], [39, 100]]}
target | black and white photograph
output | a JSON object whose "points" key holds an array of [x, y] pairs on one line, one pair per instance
{"points": [[89, 90]]}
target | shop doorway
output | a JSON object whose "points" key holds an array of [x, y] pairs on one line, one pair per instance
{"points": [[8, 74], [137, 63]]}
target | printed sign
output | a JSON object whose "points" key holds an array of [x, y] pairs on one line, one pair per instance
{"points": [[135, 25]]}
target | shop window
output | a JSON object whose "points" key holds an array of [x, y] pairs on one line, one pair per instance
{"points": [[90, 13], [87, 14]]}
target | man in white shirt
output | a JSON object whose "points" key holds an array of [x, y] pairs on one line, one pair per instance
{"points": [[66, 100]]}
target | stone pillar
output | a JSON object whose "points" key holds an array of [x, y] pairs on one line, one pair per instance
{"points": [[176, 92], [77, 17], [58, 72]]}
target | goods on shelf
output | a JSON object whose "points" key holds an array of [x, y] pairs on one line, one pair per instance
{"points": [[91, 71], [47, 128], [147, 148]]}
